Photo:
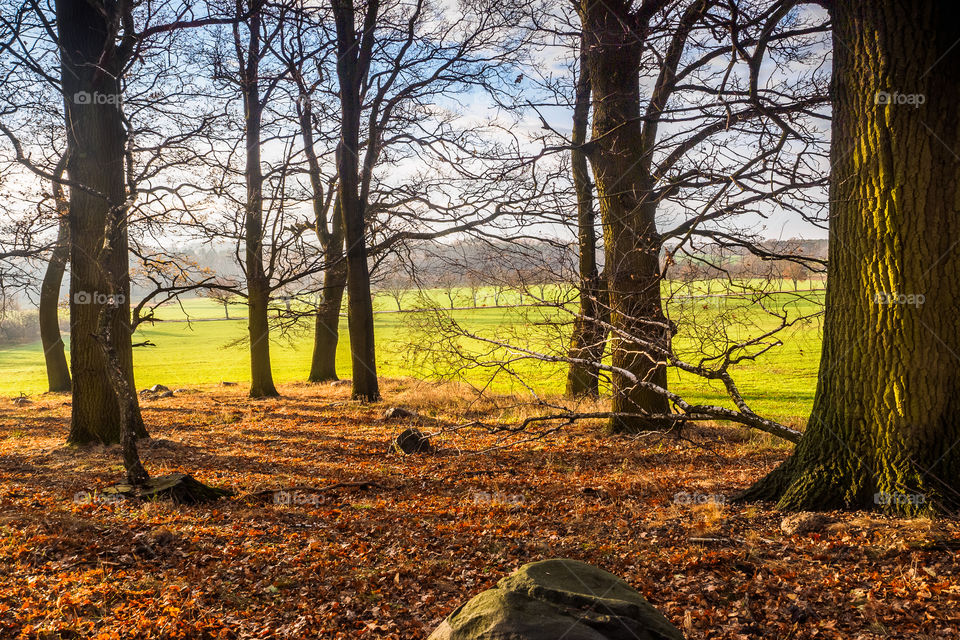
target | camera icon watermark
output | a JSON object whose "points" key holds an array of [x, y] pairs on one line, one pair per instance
{"points": [[289, 498], [885, 498], [699, 498], [908, 299], [88, 497], [87, 297], [85, 97], [498, 497], [899, 99]]}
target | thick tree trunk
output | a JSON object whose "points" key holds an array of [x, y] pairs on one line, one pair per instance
{"points": [[352, 66], [258, 284], [58, 374], [95, 140], [884, 432], [632, 244], [587, 342]]}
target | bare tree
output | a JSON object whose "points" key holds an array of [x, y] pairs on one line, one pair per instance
{"points": [[643, 164]]}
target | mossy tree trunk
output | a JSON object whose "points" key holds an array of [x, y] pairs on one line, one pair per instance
{"points": [[884, 432], [624, 186], [96, 140]]}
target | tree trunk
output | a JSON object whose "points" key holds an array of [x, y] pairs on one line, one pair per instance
{"points": [[123, 389], [323, 367], [587, 342], [58, 374], [632, 244], [95, 142], [258, 284], [885, 425], [330, 233], [352, 65]]}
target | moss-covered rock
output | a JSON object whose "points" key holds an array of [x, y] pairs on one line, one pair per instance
{"points": [[558, 598]]}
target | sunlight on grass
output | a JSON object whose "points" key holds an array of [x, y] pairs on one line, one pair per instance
{"points": [[211, 349]]}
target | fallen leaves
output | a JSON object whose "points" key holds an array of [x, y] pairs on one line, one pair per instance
{"points": [[384, 546]]}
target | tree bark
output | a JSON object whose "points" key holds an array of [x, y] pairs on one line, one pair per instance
{"points": [[58, 374], [323, 365], [352, 65], [330, 233], [885, 426], [258, 285], [632, 244], [95, 142], [587, 342]]}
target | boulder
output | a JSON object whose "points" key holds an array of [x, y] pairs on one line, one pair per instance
{"points": [[157, 391], [412, 441], [558, 598], [396, 413], [341, 383]]}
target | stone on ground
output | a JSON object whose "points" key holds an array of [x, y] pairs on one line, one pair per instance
{"points": [[558, 598], [412, 441], [397, 413]]}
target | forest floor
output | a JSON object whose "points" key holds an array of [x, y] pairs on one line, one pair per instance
{"points": [[391, 558]]}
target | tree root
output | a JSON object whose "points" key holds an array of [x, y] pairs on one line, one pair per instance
{"points": [[181, 488]]}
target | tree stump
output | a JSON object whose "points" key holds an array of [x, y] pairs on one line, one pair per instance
{"points": [[181, 488]]}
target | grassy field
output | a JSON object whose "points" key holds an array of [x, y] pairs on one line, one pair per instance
{"points": [[210, 349]]}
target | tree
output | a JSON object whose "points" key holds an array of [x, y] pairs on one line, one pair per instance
{"points": [[92, 64], [885, 424], [58, 374], [406, 65], [624, 186], [646, 154], [795, 272], [354, 52], [222, 294], [299, 51], [587, 342], [258, 283]]}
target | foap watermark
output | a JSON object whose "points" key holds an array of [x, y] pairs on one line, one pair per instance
{"points": [[907, 299], [699, 498], [885, 498], [95, 297], [899, 99], [295, 498], [92, 497], [498, 497], [86, 97]]}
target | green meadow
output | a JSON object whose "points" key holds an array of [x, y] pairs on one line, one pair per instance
{"points": [[195, 344]]}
